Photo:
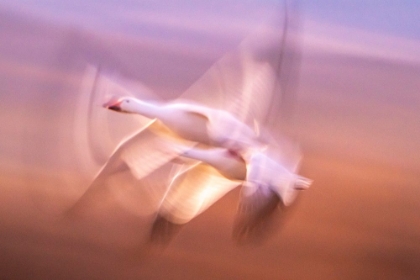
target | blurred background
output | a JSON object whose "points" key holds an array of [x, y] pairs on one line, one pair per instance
{"points": [[354, 108]]}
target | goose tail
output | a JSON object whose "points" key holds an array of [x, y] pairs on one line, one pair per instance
{"points": [[302, 183]]}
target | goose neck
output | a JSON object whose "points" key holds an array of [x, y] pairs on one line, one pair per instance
{"points": [[146, 109]]}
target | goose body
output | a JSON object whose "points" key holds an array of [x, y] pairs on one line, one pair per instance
{"points": [[228, 163], [233, 155], [193, 122], [235, 149], [266, 184], [259, 171], [224, 152]]}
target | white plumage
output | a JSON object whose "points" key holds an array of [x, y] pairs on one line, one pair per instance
{"points": [[213, 149]]}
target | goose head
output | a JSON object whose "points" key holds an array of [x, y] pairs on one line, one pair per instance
{"points": [[123, 104]]}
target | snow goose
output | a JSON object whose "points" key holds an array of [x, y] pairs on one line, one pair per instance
{"points": [[197, 186], [266, 184]]}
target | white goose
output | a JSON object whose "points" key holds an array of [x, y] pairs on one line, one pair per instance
{"points": [[265, 185], [194, 122], [242, 147], [240, 159], [236, 153]]}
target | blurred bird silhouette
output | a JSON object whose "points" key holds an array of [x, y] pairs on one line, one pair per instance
{"points": [[213, 140], [225, 153]]}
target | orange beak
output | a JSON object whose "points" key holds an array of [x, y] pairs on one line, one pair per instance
{"points": [[113, 104]]}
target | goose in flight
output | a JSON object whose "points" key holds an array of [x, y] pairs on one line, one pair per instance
{"points": [[173, 128], [265, 185], [240, 145], [226, 120], [193, 122], [234, 155]]}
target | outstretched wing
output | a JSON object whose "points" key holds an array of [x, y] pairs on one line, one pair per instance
{"points": [[137, 157], [97, 131], [255, 215], [257, 80], [190, 193], [193, 191], [238, 83]]}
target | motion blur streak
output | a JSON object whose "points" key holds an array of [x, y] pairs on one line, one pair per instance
{"points": [[355, 114]]}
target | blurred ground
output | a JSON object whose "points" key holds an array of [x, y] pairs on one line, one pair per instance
{"points": [[355, 117]]}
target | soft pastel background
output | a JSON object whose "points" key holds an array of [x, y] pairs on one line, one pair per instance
{"points": [[356, 113]]}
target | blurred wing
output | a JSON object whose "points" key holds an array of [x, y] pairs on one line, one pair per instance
{"points": [[142, 197], [284, 151], [147, 150], [255, 213], [90, 150], [192, 192], [97, 131], [134, 160], [287, 64], [257, 81], [249, 100], [237, 83]]}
